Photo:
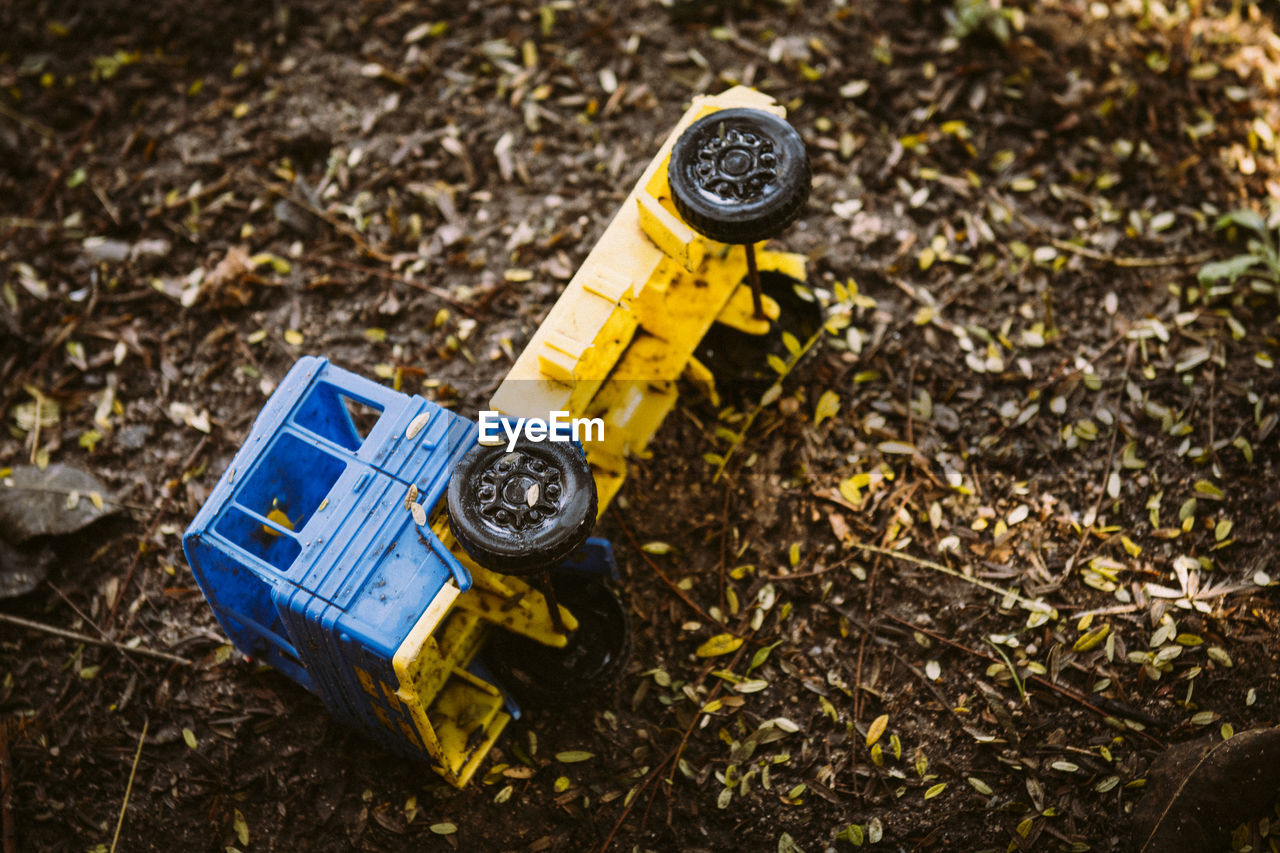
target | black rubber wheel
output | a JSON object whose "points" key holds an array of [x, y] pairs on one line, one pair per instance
{"points": [[597, 653], [739, 175], [522, 511]]}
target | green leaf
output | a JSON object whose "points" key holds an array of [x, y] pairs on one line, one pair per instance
{"points": [[573, 756], [1230, 269], [1245, 218], [853, 834], [762, 655]]}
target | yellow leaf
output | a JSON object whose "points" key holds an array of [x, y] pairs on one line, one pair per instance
{"points": [[878, 725], [791, 343], [935, 790], [1209, 490], [293, 337], [1092, 639], [720, 644], [190, 737], [242, 828], [828, 405]]}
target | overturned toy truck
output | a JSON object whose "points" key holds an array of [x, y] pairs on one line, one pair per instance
{"points": [[412, 577]]}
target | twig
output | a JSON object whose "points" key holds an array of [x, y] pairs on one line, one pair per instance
{"points": [[1103, 257], [16, 222], [396, 277], [672, 758], [38, 207], [85, 638], [6, 792], [42, 129], [868, 600], [1132, 261], [151, 528], [724, 537], [1068, 693], [214, 187], [90, 622], [1064, 370], [1106, 478], [338, 225], [751, 416], [128, 788], [950, 572], [661, 574], [813, 574], [35, 429]]}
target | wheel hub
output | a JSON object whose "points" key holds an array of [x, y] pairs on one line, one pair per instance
{"points": [[519, 492], [735, 165]]}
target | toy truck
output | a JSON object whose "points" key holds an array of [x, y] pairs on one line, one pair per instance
{"points": [[408, 574]]}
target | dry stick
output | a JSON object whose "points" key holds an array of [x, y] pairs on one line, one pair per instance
{"points": [[42, 129], [151, 528], [212, 188], [6, 792], [85, 638], [1126, 261], [128, 789], [672, 757], [38, 207], [341, 227], [1079, 698], [1106, 477], [405, 280], [1064, 370], [862, 643], [950, 572], [661, 574], [90, 622], [724, 537], [813, 574], [35, 430], [1103, 257]]}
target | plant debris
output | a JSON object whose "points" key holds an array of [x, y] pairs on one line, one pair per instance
{"points": [[992, 529]]}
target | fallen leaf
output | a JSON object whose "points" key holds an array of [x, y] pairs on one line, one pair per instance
{"points": [[1198, 791], [720, 644], [34, 502]]}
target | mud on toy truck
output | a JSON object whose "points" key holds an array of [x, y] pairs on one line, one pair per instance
{"points": [[414, 578]]}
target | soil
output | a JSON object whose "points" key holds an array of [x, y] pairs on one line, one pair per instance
{"points": [[1031, 547]]}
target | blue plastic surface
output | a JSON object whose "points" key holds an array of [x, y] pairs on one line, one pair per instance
{"points": [[340, 585]]}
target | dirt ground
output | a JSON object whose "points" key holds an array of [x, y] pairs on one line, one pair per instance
{"points": [[1008, 532]]}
